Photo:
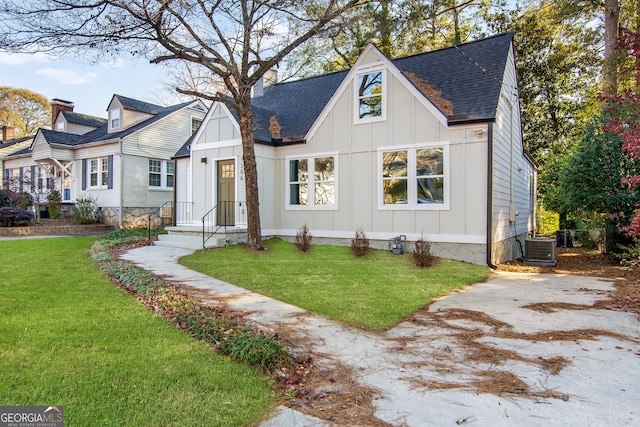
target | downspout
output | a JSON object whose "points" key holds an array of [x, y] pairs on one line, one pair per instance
{"points": [[490, 196], [175, 197], [121, 186]]}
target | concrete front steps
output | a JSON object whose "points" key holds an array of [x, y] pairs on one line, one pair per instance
{"points": [[190, 237]]}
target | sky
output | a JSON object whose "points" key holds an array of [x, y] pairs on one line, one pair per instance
{"points": [[89, 87]]}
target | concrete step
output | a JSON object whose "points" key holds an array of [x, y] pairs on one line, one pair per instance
{"points": [[187, 241]]}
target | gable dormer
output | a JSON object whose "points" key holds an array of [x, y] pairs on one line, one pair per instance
{"points": [[125, 112], [114, 116], [77, 124]]}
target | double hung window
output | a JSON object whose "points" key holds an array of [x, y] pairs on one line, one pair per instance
{"points": [[161, 173], [98, 172], [370, 97]]}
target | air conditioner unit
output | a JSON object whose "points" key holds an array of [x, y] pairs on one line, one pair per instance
{"points": [[540, 251]]}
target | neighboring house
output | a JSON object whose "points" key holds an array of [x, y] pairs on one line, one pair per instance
{"points": [[123, 162], [428, 146], [10, 145]]}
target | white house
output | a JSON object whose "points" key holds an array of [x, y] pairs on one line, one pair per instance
{"points": [[426, 146], [123, 162]]}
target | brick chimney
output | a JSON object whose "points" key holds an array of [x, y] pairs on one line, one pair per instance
{"points": [[58, 105], [8, 132]]}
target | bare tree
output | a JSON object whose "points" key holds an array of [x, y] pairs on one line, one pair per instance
{"points": [[237, 41]]}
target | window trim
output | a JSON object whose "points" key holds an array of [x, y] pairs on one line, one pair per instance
{"points": [[163, 174], [356, 95], [112, 118], [412, 190], [102, 173], [193, 118], [311, 182]]}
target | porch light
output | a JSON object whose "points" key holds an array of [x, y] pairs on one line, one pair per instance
{"points": [[203, 160]]}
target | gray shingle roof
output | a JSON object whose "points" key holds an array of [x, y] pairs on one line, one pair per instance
{"points": [[83, 119], [60, 138], [19, 153], [467, 75], [136, 105], [10, 142], [297, 104], [101, 134]]}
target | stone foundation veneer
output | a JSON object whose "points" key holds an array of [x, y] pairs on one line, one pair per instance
{"points": [[132, 217], [55, 230]]}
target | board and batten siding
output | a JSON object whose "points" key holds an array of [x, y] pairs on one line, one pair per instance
{"points": [[512, 171], [217, 139], [408, 123]]}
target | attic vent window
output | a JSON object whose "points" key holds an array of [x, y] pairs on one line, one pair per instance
{"points": [[195, 124], [370, 97]]}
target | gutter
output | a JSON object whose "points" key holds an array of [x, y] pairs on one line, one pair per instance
{"points": [[490, 196]]}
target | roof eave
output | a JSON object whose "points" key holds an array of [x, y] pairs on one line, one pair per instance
{"points": [[470, 121]]}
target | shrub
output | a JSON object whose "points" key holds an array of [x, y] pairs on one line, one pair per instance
{"points": [[13, 216], [208, 324], [21, 200], [422, 254], [628, 255], [360, 244], [84, 210], [5, 200], [303, 239], [54, 201]]}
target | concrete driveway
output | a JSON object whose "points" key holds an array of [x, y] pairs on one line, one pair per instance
{"points": [[519, 349]]}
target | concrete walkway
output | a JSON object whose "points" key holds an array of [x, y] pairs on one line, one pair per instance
{"points": [[436, 367]]}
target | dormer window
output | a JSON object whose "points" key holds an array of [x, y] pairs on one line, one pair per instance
{"points": [[114, 118], [370, 97], [60, 126]]}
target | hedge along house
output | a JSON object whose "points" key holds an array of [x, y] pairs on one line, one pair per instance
{"points": [[123, 162], [428, 146]]}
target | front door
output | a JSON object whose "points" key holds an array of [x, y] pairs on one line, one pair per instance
{"points": [[226, 192]]}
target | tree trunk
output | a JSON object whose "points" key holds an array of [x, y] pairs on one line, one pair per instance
{"points": [[384, 28], [611, 18], [254, 232], [456, 25]]}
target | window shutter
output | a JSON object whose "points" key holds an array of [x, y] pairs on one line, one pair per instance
{"points": [[32, 177], [110, 172], [84, 174], [6, 179], [21, 179]]}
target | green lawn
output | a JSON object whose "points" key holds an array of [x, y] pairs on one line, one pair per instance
{"points": [[69, 337], [372, 292]]}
